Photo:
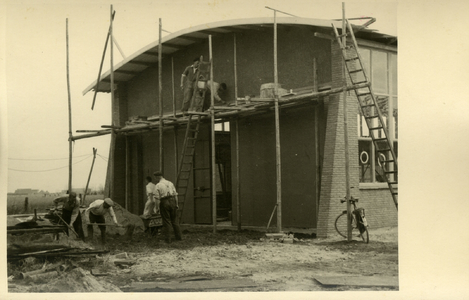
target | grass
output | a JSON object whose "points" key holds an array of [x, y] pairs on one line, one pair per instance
{"points": [[16, 205]]}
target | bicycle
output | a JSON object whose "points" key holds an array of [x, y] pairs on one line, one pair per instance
{"points": [[358, 221]]}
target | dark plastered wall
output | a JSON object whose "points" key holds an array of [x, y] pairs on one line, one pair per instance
{"points": [[258, 194], [144, 161], [297, 47]]}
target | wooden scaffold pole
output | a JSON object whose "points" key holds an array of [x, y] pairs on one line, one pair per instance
{"points": [[277, 133], [238, 184], [70, 140], [212, 131], [347, 162], [160, 88], [114, 117], [89, 176]]}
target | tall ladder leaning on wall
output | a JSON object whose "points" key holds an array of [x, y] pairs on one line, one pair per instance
{"points": [[369, 108], [192, 132], [187, 160]]}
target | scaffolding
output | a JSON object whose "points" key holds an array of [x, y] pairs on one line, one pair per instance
{"points": [[241, 107]]}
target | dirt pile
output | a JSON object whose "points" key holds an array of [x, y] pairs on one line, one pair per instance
{"points": [[78, 281]]}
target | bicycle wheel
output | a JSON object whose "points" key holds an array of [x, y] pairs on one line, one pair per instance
{"points": [[365, 236], [341, 224]]}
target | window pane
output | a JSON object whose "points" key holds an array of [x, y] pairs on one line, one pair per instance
{"points": [[379, 167], [379, 77], [365, 55], [364, 160], [393, 65]]}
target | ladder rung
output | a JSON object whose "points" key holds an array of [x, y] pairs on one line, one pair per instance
{"points": [[390, 172], [342, 35], [383, 150], [363, 94], [394, 193], [367, 105], [356, 71], [352, 59], [359, 82], [376, 128], [371, 117], [380, 139]]}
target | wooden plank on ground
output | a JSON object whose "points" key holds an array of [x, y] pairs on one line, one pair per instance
{"points": [[196, 284], [359, 280]]}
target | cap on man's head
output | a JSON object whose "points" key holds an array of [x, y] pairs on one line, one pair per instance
{"points": [[158, 173], [109, 202]]}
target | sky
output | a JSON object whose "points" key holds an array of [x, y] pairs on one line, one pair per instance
{"points": [[37, 97]]}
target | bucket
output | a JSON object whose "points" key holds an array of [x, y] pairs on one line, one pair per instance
{"points": [[268, 90]]}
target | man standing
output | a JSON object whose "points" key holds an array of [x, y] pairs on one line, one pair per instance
{"points": [[71, 212], [151, 207], [219, 88], [188, 79], [166, 193], [96, 212]]}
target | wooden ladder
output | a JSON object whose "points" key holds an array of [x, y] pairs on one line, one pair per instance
{"points": [[187, 159], [369, 108]]}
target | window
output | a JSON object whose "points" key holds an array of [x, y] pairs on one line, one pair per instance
{"points": [[381, 69], [225, 126]]}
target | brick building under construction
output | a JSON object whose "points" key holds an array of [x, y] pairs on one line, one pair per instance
{"points": [[260, 151]]}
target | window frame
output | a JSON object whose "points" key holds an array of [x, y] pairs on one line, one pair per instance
{"points": [[391, 94]]}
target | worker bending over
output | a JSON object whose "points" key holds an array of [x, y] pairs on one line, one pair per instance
{"points": [[96, 212]]}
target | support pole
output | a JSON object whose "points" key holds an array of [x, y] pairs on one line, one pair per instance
{"points": [[89, 176], [316, 138], [238, 185], [70, 140], [172, 85], [347, 163], [160, 87], [102, 61], [114, 117], [277, 133], [235, 65], [212, 131], [127, 172]]}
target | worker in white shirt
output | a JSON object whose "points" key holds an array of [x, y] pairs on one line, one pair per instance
{"points": [[166, 193], [96, 212], [219, 89]]}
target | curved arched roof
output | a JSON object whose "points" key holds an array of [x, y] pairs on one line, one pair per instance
{"points": [[174, 42]]}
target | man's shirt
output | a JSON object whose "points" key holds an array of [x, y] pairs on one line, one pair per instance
{"points": [[164, 188]]}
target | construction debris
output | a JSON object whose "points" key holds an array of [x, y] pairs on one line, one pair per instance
{"points": [[281, 237]]}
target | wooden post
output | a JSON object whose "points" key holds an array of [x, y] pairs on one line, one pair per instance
{"points": [[237, 185], [26, 204], [70, 141], [89, 176], [235, 63], [212, 130], [176, 152], [172, 84], [316, 138], [101, 65], [114, 117], [160, 87], [277, 133], [347, 163], [127, 172]]}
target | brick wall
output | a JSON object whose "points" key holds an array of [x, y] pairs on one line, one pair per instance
{"points": [[380, 210], [333, 181]]}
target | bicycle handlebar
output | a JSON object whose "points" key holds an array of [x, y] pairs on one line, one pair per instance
{"points": [[351, 200]]}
